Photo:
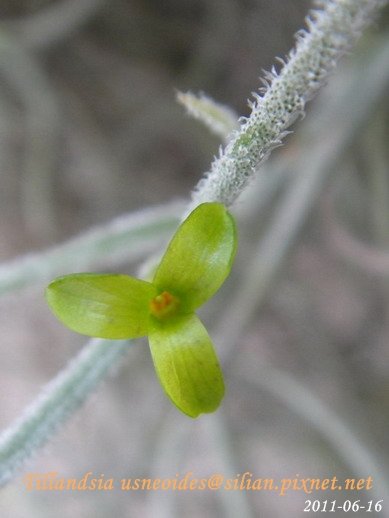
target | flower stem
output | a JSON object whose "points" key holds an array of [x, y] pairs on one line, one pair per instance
{"points": [[130, 236], [331, 32], [56, 402]]}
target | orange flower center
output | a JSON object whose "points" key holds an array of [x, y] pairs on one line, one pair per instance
{"points": [[164, 305]]}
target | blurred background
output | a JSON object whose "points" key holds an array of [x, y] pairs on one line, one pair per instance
{"points": [[90, 130]]}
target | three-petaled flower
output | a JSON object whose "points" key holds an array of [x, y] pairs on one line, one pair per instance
{"points": [[196, 263]]}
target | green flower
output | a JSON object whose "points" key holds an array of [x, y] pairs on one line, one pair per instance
{"points": [[194, 266]]}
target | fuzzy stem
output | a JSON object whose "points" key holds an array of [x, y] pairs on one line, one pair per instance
{"points": [[71, 387], [331, 32], [313, 166], [59, 399], [218, 118], [130, 236]]}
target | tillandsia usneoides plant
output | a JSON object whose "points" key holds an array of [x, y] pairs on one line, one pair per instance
{"points": [[169, 301], [195, 264]]}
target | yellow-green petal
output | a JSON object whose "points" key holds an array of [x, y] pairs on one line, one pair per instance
{"points": [[102, 305], [199, 256], [186, 364]]}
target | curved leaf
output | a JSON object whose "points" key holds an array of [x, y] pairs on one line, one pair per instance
{"points": [[199, 256], [186, 364], [102, 305]]}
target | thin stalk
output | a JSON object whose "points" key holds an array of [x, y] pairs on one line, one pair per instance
{"points": [[317, 161], [376, 151], [129, 237], [217, 118], [55, 22], [233, 503], [57, 401], [331, 32], [172, 439], [71, 387], [302, 401], [41, 124]]}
